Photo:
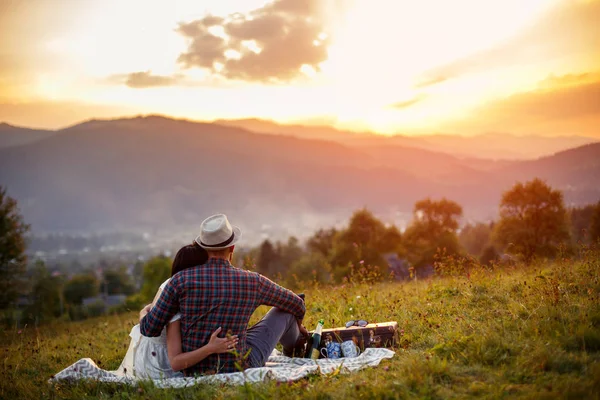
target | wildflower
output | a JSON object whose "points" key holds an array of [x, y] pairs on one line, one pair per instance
{"points": [[20, 331], [358, 297], [361, 262]]}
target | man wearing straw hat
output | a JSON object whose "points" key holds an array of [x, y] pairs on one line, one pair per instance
{"points": [[217, 294]]}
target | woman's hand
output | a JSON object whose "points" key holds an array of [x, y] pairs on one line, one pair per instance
{"points": [[221, 345]]}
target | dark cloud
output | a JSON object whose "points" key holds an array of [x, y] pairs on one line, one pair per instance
{"points": [[288, 34], [571, 28]]}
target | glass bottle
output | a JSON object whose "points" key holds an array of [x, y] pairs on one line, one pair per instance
{"points": [[315, 351]]}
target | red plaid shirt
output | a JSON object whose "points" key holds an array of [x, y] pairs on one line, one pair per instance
{"points": [[214, 295]]}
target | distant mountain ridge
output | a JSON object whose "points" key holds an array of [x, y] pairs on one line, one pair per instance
{"points": [[491, 145], [15, 136], [158, 173]]}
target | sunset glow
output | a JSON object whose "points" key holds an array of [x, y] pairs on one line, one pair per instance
{"points": [[393, 66]]}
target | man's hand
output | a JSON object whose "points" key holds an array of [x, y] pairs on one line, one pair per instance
{"points": [[145, 311], [303, 330]]}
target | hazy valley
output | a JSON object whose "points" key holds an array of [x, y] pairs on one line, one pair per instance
{"points": [[163, 176]]}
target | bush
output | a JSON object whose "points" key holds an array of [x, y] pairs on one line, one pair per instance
{"points": [[95, 309]]}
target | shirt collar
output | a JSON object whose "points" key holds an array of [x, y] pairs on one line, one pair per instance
{"points": [[219, 261]]}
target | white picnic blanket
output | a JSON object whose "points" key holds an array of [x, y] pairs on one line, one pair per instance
{"points": [[278, 368]]}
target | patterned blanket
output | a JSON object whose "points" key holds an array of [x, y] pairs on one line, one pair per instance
{"points": [[278, 368]]}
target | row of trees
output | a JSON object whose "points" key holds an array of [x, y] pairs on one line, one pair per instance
{"points": [[533, 222], [50, 295]]}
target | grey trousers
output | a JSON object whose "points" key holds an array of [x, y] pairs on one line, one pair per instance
{"points": [[275, 327]]}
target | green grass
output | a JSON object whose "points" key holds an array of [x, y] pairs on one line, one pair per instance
{"points": [[532, 332]]}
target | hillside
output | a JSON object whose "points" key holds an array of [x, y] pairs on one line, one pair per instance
{"points": [[496, 146], [531, 332], [159, 173], [16, 136]]}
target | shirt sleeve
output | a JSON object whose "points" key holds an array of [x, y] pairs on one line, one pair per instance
{"points": [[161, 313], [177, 317], [271, 294]]}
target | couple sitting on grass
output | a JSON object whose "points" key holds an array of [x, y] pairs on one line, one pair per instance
{"points": [[198, 320]]}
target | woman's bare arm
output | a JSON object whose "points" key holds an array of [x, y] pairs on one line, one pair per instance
{"points": [[181, 360]]}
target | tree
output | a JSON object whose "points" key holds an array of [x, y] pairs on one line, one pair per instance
{"points": [[117, 281], [79, 287], [533, 220], [12, 250], [595, 225], [580, 219], [289, 254], [45, 295], [438, 216], [156, 271], [489, 255], [311, 267], [138, 274], [365, 241], [432, 229], [322, 241], [267, 258], [474, 238]]}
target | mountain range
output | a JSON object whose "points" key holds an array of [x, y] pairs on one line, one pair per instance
{"points": [[15, 136], [157, 173], [495, 146]]}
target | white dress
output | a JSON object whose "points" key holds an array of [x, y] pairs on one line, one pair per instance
{"points": [[147, 357]]}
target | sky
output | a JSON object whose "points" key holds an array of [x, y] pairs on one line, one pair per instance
{"points": [[391, 66]]}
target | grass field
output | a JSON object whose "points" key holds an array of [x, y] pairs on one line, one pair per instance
{"points": [[524, 332]]}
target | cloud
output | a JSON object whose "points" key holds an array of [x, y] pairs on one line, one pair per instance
{"points": [[568, 104], [554, 82], [430, 81], [145, 79], [569, 29], [408, 103], [269, 44]]}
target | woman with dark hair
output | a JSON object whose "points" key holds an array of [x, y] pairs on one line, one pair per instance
{"points": [[162, 357], [187, 257]]}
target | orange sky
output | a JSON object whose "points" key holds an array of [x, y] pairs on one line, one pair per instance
{"points": [[394, 66]]}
